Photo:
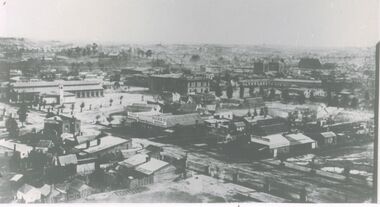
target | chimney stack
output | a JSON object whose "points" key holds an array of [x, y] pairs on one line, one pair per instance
{"points": [[148, 158], [98, 141], [87, 144]]}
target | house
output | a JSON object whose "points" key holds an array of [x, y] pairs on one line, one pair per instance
{"points": [[65, 160], [270, 126], [63, 124], [22, 149], [300, 143], [44, 145], [272, 145], [78, 189], [324, 138], [28, 194], [238, 126], [134, 161], [158, 169], [152, 151], [17, 181], [103, 145], [45, 192], [224, 114], [86, 166], [189, 108]]}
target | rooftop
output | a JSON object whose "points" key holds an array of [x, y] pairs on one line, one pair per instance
{"points": [[298, 138], [134, 160], [105, 143], [272, 141], [152, 166]]}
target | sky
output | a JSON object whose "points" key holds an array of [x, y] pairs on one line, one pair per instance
{"points": [[321, 23]]}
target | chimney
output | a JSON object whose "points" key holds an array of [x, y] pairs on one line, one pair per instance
{"points": [[147, 158], [98, 141], [14, 148], [87, 144]]}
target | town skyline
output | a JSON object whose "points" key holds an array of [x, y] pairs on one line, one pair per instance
{"points": [[317, 24]]}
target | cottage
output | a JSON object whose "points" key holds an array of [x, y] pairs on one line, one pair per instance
{"points": [[28, 194], [134, 161], [152, 151], [160, 170], [44, 145], [238, 126], [324, 138], [103, 145], [270, 126], [273, 145], [86, 166], [78, 189], [300, 143]]}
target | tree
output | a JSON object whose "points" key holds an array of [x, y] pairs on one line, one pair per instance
{"points": [[272, 93], [262, 112], [22, 113], [97, 118], [195, 58], [121, 99], [81, 106], [285, 95], [111, 101], [262, 92], [329, 97], [12, 127], [148, 53], [241, 94], [301, 97], [354, 103], [229, 91], [312, 96], [218, 90], [251, 90]]}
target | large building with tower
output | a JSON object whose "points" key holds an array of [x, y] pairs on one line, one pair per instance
{"points": [[30, 91], [179, 83]]}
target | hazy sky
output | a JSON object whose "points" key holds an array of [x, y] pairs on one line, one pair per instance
{"points": [[285, 22]]}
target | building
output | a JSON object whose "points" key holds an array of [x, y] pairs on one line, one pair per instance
{"points": [[158, 169], [30, 91], [325, 138], [299, 143], [272, 145], [280, 82], [261, 67], [103, 145], [63, 124], [78, 189], [28, 194], [266, 127], [310, 63], [276, 66], [179, 83]]}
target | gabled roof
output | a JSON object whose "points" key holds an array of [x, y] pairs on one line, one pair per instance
{"points": [[105, 143], [299, 138], [328, 134], [45, 144], [184, 120], [239, 124], [25, 188], [16, 177], [45, 190], [134, 160], [67, 159], [152, 166], [272, 141], [79, 186]]}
